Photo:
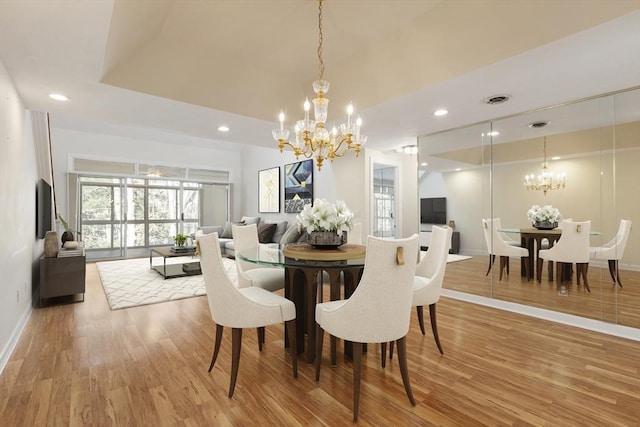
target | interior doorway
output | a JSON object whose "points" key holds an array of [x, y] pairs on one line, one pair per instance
{"points": [[385, 209]]}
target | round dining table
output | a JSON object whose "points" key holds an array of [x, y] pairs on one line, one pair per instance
{"points": [[304, 266]]}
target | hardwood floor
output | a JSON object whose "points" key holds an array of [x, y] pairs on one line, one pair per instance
{"points": [[83, 364], [605, 302]]}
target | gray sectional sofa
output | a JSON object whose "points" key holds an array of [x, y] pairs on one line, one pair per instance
{"points": [[268, 232]]}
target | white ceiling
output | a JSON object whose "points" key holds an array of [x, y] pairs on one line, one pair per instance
{"points": [[187, 66]]}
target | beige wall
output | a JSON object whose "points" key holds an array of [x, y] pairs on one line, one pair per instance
{"points": [[591, 194]]}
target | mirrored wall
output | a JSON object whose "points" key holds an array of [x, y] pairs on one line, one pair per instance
{"points": [[595, 145]]}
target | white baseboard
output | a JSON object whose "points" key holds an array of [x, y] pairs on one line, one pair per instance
{"points": [[15, 336], [554, 316]]}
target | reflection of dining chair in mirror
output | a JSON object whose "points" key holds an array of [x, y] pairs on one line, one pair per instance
{"points": [[572, 247], [239, 308], [613, 250], [269, 278], [546, 244], [378, 311], [497, 246]]}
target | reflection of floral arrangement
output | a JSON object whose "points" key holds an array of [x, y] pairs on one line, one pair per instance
{"points": [[543, 214], [325, 216]]}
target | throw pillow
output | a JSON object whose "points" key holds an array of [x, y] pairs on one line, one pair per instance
{"points": [[280, 229], [290, 236], [250, 220], [265, 232], [227, 233]]}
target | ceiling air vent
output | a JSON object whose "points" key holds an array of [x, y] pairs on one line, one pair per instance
{"points": [[497, 99], [538, 125]]}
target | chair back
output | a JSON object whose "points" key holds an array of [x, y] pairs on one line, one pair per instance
{"points": [[223, 297], [380, 307], [244, 236], [433, 266], [573, 245], [436, 256], [615, 248], [495, 244]]}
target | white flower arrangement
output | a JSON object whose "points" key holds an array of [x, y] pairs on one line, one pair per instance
{"points": [[543, 214], [325, 216]]}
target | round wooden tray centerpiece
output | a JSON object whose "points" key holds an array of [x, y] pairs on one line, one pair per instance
{"points": [[307, 252]]}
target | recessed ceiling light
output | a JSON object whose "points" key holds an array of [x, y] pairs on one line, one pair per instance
{"points": [[458, 169], [556, 158], [58, 97], [494, 133], [424, 164], [497, 99], [223, 128], [440, 112]]}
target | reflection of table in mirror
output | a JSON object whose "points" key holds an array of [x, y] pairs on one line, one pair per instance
{"points": [[531, 238], [303, 264]]}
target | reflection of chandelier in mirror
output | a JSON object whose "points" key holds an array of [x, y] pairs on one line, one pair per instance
{"points": [[311, 137], [545, 180]]}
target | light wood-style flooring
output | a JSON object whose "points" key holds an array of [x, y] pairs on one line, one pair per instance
{"points": [[606, 301], [83, 364]]}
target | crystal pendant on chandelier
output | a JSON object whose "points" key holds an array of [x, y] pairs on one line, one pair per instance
{"points": [[545, 180], [311, 136]]}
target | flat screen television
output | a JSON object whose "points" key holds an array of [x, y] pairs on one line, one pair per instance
{"points": [[433, 210], [43, 208]]}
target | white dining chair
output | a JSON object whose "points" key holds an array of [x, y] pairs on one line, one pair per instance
{"points": [[427, 283], [250, 274], [613, 251], [239, 308], [497, 246], [379, 309], [572, 247]]}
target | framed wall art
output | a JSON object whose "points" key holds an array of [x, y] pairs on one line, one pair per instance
{"points": [[298, 185], [269, 190]]}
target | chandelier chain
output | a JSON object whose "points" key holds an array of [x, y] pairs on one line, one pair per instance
{"points": [[320, 39]]}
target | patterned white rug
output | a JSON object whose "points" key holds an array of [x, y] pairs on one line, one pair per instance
{"points": [[130, 282], [455, 257]]}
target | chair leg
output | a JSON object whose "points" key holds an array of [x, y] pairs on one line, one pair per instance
{"points": [[291, 331], [507, 263], [402, 359], [525, 261], [260, 331], [391, 350], [492, 259], [614, 271], [383, 353], [319, 339], [420, 318], [539, 263], [357, 370], [581, 270], [434, 326], [504, 261], [216, 346], [236, 344]]}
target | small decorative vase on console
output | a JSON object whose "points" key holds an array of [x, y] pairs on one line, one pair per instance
{"points": [[545, 225], [326, 239]]}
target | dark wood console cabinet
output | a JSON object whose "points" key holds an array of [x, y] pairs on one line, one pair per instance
{"points": [[62, 277]]}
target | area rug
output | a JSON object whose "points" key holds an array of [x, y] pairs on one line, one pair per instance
{"points": [[130, 282], [455, 258]]}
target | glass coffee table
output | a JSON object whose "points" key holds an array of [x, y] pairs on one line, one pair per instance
{"points": [[177, 268]]}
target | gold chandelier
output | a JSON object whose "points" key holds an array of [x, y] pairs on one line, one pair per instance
{"points": [[545, 180], [311, 137]]}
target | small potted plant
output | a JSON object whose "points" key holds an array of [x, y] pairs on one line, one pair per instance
{"points": [[68, 235], [180, 239]]}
